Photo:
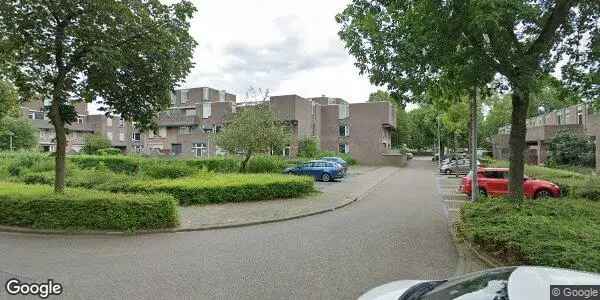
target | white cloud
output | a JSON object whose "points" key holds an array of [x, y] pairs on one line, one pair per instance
{"points": [[286, 46]]}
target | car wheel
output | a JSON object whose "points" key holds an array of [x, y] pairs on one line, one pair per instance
{"points": [[542, 194], [325, 177], [448, 172], [290, 173]]}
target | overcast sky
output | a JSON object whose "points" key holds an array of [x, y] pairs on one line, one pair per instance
{"points": [[289, 47]]}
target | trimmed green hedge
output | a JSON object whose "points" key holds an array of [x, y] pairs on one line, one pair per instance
{"points": [[118, 164], [39, 207], [219, 164], [221, 188], [561, 233]]}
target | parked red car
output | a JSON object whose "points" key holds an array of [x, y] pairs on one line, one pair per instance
{"points": [[494, 182]]}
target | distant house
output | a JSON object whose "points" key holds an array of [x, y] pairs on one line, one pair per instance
{"points": [[579, 119]]}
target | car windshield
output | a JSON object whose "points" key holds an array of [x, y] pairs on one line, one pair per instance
{"points": [[485, 285]]}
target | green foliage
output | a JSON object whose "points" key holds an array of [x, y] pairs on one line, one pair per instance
{"points": [[422, 124], [266, 164], [129, 55], [554, 232], [167, 169], [566, 148], [39, 207], [119, 164], [211, 188], [25, 136], [17, 163], [8, 100], [109, 151], [308, 147], [252, 130], [94, 143], [219, 164]]}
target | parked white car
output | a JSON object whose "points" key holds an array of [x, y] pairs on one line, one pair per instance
{"points": [[508, 283]]}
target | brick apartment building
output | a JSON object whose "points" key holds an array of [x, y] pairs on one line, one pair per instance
{"points": [[579, 119], [187, 128]]}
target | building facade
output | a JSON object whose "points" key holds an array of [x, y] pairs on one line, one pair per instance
{"points": [[579, 119], [188, 127]]}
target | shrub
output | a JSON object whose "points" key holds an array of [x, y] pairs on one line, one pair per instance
{"points": [[100, 178], [566, 148], [221, 164], [18, 163], [109, 151], [347, 157], [220, 188], [25, 136], [266, 164], [554, 232], [308, 147], [167, 169], [39, 207], [119, 164], [95, 142], [588, 189]]}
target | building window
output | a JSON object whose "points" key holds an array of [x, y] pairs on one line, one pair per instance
{"points": [[109, 135], [121, 123], [136, 137], [205, 94], [207, 130], [184, 96], [206, 110], [344, 130], [185, 130], [286, 151], [217, 128], [343, 111], [559, 117], [190, 112], [122, 137], [200, 149], [138, 148], [344, 148], [220, 151], [221, 96], [173, 99]]}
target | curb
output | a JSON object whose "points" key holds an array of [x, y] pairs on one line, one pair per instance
{"points": [[11, 229]]}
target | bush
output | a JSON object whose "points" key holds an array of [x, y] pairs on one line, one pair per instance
{"points": [[266, 164], [554, 232], [308, 147], [221, 164], [566, 148], [100, 178], [25, 136], [119, 164], [95, 142], [588, 189], [213, 188], [167, 169], [109, 151], [18, 163], [39, 207]]}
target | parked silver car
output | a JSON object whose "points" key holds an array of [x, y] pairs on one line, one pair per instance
{"points": [[514, 283]]}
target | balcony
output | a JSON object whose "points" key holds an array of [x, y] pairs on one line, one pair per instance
{"points": [[176, 119]]}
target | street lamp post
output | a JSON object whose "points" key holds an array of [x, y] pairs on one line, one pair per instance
{"points": [[10, 137], [439, 143]]}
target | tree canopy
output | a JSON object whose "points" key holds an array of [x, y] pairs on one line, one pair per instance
{"points": [[252, 130], [129, 55], [421, 48]]}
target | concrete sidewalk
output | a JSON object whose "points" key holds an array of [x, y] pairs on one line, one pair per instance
{"points": [[331, 195]]}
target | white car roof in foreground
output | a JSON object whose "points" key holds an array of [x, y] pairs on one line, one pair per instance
{"points": [[527, 283]]}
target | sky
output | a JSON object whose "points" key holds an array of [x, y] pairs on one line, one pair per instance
{"points": [[288, 47]]}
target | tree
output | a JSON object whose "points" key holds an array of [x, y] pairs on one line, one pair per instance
{"points": [[567, 148], [128, 55], [24, 135], [8, 100], [252, 130], [95, 142], [417, 46], [309, 147]]}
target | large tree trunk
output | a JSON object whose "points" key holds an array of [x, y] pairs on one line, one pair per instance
{"points": [[61, 145], [245, 162], [520, 103]]}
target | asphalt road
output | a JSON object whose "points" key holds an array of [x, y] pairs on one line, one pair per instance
{"points": [[398, 231]]}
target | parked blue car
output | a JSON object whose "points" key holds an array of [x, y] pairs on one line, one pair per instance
{"points": [[337, 160], [319, 169]]}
